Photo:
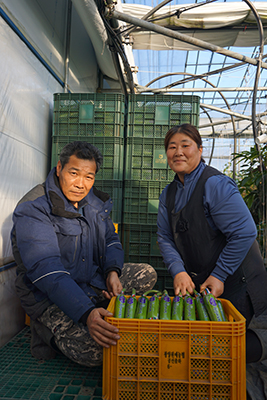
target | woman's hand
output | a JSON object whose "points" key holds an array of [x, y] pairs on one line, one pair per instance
{"points": [[114, 285], [215, 286], [182, 283], [100, 330]]}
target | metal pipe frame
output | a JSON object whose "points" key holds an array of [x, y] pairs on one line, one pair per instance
{"points": [[142, 89], [112, 13], [149, 26], [67, 47], [228, 112], [226, 121]]}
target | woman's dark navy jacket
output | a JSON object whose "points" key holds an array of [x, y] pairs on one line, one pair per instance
{"points": [[60, 252], [205, 228]]}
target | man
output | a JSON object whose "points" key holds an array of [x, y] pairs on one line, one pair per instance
{"points": [[70, 260]]}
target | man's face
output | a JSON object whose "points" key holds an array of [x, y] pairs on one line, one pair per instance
{"points": [[76, 178]]}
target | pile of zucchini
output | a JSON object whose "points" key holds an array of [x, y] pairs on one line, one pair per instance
{"points": [[203, 307]]}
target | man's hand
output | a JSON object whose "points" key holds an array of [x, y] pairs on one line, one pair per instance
{"points": [[215, 286], [101, 331], [114, 285], [182, 283]]}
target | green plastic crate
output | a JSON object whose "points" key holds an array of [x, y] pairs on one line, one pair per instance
{"points": [[154, 115], [112, 150], [140, 245], [89, 114], [146, 160], [141, 200]]}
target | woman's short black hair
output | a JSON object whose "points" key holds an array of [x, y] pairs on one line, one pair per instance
{"points": [[82, 150], [186, 129]]}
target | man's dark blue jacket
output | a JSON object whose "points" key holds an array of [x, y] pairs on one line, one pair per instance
{"points": [[62, 253]]}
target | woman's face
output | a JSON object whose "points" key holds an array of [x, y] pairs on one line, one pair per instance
{"points": [[183, 155]]}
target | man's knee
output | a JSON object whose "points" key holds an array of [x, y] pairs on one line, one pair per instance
{"points": [[82, 349], [140, 276], [73, 340]]}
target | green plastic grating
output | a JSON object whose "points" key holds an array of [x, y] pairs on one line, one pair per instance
{"points": [[146, 160], [141, 201], [165, 281], [140, 245], [154, 115], [88, 114], [24, 377]]}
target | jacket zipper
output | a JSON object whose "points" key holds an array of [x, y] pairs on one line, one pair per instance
{"points": [[75, 250]]}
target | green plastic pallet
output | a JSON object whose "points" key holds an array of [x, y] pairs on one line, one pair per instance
{"points": [[24, 377]]}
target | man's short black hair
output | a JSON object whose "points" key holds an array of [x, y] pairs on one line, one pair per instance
{"points": [[82, 150]]}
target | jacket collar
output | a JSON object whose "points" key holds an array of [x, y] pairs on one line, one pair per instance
{"points": [[61, 206], [188, 178]]}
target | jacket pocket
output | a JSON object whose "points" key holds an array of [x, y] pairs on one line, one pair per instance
{"points": [[68, 236]]}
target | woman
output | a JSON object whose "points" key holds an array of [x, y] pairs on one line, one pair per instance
{"points": [[206, 233]]}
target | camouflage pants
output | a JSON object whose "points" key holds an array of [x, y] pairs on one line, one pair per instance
{"points": [[74, 340]]}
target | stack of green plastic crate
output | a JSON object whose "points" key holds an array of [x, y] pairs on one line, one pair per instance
{"points": [[135, 168], [147, 172], [97, 118]]}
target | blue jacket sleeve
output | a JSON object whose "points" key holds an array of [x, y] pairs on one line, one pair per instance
{"points": [[171, 256], [114, 253], [38, 247], [228, 212]]}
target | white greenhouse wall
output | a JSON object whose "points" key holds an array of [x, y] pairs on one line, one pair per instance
{"points": [[25, 129], [26, 107]]}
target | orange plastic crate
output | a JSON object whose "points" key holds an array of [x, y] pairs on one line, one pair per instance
{"points": [[170, 360]]}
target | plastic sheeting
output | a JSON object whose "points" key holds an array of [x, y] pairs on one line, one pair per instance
{"points": [[205, 23], [207, 16], [26, 111], [43, 23], [96, 30], [26, 105], [12, 316], [26, 95], [48, 41]]}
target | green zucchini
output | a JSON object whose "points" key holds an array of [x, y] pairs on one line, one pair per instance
{"points": [[219, 304], [153, 306], [211, 306], [202, 312], [177, 308], [142, 305], [189, 308], [165, 306], [131, 305], [120, 305]]}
